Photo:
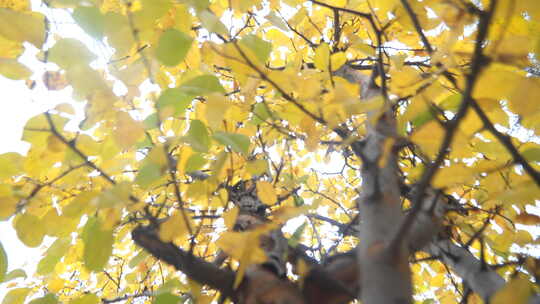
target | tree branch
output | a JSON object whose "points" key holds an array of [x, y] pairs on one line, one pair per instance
{"points": [[199, 270]]}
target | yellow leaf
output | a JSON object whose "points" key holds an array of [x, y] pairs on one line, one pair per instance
{"points": [[13, 69], [257, 167], [11, 164], [428, 137], [128, 131], [55, 284], [517, 291], [242, 246], [322, 57], [229, 217], [174, 227], [455, 174], [337, 60], [29, 229], [8, 206], [266, 192], [497, 82], [22, 26], [16, 296], [519, 101], [216, 108]]}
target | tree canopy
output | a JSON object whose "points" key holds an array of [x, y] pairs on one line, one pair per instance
{"points": [[276, 151]]}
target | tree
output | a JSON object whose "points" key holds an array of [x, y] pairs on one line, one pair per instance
{"points": [[278, 152]]}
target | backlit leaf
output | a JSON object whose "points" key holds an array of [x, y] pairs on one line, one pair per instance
{"points": [[3, 263], [97, 244], [128, 131], [23, 26], [47, 299], [88, 298], [16, 296], [69, 52], [198, 136], [238, 142], [53, 255], [260, 48], [166, 298], [517, 290], [30, 229], [173, 47], [91, 20], [322, 57], [175, 99], [13, 69], [212, 23], [174, 227], [202, 85], [266, 192]]}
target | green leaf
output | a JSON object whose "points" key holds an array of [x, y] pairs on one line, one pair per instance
{"points": [[212, 23], [97, 244], [47, 299], [422, 118], [202, 85], [174, 98], [53, 255], [82, 204], [198, 136], [532, 154], [151, 121], [451, 103], [297, 235], [260, 48], [141, 256], [16, 296], [195, 162], [298, 200], [151, 11], [173, 47], [90, 20], [3, 263], [148, 174], [69, 52], [238, 142], [166, 298], [88, 298], [260, 113]]}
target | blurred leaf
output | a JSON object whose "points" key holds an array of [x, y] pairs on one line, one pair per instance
{"points": [[13, 69], [16, 296], [23, 26], [97, 244], [260, 48], [198, 136], [3, 263], [202, 85], [91, 20], [173, 47], [30, 229], [238, 142], [266, 192]]}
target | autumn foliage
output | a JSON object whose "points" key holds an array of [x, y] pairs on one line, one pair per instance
{"points": [[276, 151]]}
